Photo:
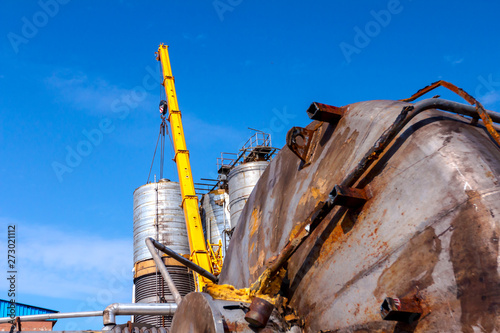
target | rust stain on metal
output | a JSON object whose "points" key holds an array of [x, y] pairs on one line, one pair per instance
{"points": [[413, 268], [282, 206], [315, 193], [489, 174], [335, 239], [255, 222], [474, 253]]}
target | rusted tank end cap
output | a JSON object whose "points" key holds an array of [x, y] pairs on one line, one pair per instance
{"points": [[260, 311]]}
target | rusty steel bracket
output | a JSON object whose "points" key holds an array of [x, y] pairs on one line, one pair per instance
{"points": [[325, 112], [406, 310], [349, 197], [299, 139]]}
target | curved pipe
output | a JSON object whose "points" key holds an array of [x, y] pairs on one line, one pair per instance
{"points": [[47, 316], [481, 112], [163, 270], [110, 313], [407, 114], [463, 109], [188, 263]]}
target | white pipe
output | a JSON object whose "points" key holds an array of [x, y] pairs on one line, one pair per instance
{"points": [[132, 318], [110, 313], [47, 316], [163, 270]]}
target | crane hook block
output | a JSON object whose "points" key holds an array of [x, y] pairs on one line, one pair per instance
{"points": [[163, 107]]}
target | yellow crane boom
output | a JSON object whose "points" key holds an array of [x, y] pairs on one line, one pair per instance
{"points": [[199, 253]]}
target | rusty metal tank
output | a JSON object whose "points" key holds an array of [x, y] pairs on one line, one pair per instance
{"points": [[429, 230], [216, 218], [241, 181]]}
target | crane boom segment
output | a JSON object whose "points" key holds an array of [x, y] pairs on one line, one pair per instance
{"points": [[199, 253]]}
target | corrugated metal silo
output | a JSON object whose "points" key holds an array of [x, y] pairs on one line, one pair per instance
{"points": [[158, 214]]}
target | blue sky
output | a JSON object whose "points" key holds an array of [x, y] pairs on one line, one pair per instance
{"points": [[74, 70]]}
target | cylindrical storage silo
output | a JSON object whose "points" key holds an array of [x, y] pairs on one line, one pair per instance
{"points": [[216, 218], [158, 214], [241, 181]]}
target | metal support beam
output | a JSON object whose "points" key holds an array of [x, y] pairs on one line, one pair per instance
{"points": [[349, 197], [405, 310], [325, 112]]}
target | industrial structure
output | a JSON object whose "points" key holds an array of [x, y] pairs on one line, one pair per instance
{"points": [[240, 172], [378, 216], [21, 309], [216, 219], [158, 214], [238, 175]]}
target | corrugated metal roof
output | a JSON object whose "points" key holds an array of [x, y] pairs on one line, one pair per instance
{"points": [[22, 309]]}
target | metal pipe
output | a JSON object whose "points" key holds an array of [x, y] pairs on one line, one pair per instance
{"points": [[406, 115], [47, 316], [188, 263], [464, 109], [163, 270], [110, 313], [481, 112]]}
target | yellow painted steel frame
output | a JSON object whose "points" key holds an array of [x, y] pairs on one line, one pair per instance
{"points": [[216, 256], [199, 253]]}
